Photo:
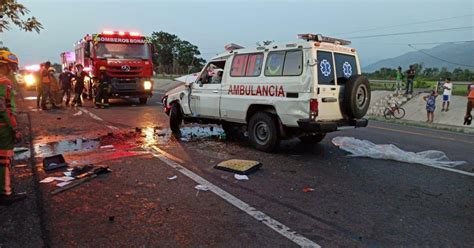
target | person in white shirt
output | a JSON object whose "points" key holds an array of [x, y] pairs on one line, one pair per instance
{"points": [[448, 89]]}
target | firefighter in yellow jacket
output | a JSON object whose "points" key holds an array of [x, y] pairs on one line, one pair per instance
{"points": [[8, 125]]}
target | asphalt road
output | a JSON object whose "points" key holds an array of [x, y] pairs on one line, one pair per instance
{"points": [[355, 201]]}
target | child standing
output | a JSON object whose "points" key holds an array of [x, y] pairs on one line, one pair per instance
{"points": [[448, 89], [430, 105]]}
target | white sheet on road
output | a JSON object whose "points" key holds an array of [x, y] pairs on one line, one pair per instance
{"points": [[365, 148]]}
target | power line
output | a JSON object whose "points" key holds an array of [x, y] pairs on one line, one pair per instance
{"points": [[438, 58], [413, 32], [405, 24]]}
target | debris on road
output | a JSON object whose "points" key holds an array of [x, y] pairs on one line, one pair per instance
{"points": [[241, 177], [365, 148], [82, 178], [61, 179], [191, 133], [78, 113], [239, 166], [107, 147], [172, 178], [201, 188], [308, 189], [54, 162], [63, 184], [21, 153], [48, 180]]}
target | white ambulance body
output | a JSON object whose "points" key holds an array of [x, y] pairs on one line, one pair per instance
{"points": [[304, 89]]}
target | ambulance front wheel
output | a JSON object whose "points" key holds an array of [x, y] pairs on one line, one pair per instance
{"points": [[263, 132], [176, 118]]}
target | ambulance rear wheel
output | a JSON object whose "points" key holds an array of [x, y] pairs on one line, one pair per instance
{"points": [[143, 100], [176, 118], [263, 132]]}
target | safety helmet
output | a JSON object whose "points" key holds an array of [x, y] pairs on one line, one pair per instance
{"points": [[8, 57], [102, 68]]}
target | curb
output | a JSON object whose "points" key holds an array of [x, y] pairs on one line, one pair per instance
{"points": [[435, 126]]}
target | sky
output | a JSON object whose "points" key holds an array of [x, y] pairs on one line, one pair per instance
{"points": [[211, 24]]}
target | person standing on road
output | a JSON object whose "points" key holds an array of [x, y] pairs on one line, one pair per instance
{"points": [[410, 77], [65, 80], [430, 105], [79, 87], [447, 92], [39, 90], [104, 89], [55, 88], [399, 77], [45, 85], [470, 104], [8, 126]]}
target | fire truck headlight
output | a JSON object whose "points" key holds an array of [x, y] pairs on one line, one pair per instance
{"points": [[147, 85], [30, 80]]}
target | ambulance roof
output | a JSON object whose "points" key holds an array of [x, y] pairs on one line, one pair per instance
{"points": [[308, 41]]}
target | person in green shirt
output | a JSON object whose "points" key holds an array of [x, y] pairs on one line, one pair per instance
{"points": [[398, 89]]}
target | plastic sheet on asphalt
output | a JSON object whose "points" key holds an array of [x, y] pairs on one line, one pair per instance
{"points": [[365, 148]]}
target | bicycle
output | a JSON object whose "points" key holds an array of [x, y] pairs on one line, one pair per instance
{"points": [[396, 111]]}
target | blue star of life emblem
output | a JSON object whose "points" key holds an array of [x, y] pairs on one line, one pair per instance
{"points": [[347, 69], [325, 67]]}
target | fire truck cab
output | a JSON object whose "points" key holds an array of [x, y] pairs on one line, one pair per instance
{"points": [[127, 57]]}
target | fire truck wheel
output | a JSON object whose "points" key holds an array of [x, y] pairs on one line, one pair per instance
{"points": [[263, 132], [175, 118], [143, 100], [313, 138], [356, 96]]}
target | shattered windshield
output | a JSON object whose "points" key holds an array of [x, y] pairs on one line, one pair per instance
{"points": [[122, 51]]}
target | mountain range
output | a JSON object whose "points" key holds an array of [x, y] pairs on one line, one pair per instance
{"points": [[449, 55]]}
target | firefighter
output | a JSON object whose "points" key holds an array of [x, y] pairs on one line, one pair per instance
{"points": [[80, 76], [8, 125], [45, 85], [104, 89]]}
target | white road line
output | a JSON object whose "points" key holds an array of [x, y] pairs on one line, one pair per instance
{"points": [[452, 170], [256, 214], [95, 117]]}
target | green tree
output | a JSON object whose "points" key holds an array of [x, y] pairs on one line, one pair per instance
{"points": [[173, 55], [13, 13], [444, 73], [457, 74]]}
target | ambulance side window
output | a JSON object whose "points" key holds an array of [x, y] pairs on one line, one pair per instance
{"points": [[247, 65], [284, 63], [293, 63], [275, 62], [325, 68]]}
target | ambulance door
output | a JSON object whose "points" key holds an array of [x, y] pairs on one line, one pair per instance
{"points": [[206, 93], [328, 90]]}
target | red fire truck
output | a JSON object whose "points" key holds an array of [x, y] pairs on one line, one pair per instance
{"points": [[127, 57]]}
